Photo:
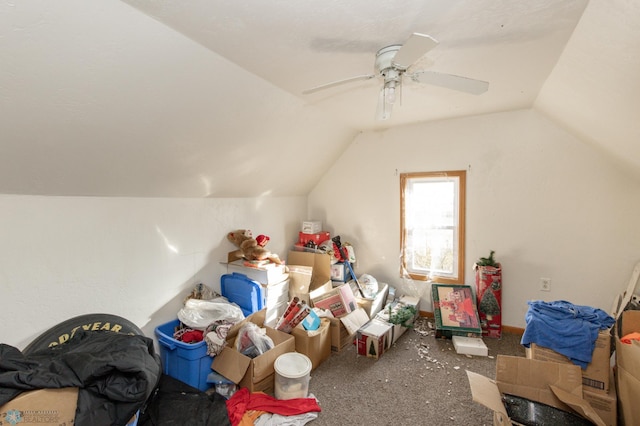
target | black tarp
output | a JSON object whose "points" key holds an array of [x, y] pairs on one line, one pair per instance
{"points": [[176, 403], [115, 373]]}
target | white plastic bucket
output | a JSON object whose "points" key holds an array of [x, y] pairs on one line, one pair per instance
{"points": [[292, 376]]}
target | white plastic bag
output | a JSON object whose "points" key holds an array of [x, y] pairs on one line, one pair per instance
{"points": [[198, 314], [252, 340]]}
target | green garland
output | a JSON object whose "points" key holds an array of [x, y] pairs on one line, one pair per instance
{"points": [[403, 315]]}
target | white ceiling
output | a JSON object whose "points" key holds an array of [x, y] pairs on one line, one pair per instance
{"points": [[204, 97]]}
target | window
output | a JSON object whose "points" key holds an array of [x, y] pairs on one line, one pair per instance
{"points": [[432, 226]]}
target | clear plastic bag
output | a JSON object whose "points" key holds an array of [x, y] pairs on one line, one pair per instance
{"points": [[198, 314], [252, 340]]}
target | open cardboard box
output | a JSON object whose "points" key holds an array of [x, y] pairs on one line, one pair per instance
{"points": [[41, 407], [555, 384], [339, 300], [315, 344], [308, 272], [371, 305], [628, 367], [256, 374], [596, 375], [398, 329], [343, 330]]}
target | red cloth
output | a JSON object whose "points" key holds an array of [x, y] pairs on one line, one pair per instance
{"points": [[629, 337], [244, 400], [192, 336]]}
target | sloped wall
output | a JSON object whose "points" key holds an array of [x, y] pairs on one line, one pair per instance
{"points": [[134, 257], [548, 204]]}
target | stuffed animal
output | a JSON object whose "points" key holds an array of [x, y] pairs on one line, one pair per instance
{"points": [[252, 248]]}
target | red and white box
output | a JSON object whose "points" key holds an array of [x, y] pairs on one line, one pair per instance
{"points": [[339, 300], [317, 238]]}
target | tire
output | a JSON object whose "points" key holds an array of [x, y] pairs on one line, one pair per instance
{"points": [[62, 332]]}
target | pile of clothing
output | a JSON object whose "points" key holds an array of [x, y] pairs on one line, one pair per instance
{"points": [[571, 330], [207, 316], [115, 373]]}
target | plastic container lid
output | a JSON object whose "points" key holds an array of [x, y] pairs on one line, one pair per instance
{"points": [[292, 365]]}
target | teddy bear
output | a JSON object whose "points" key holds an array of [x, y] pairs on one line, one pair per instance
{"points": [[252, 248]]}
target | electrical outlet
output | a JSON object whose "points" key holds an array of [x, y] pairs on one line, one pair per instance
{"points": [[545, 284]]}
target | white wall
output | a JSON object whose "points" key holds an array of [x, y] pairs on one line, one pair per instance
{"points": [[134, 257], [547, 203]]}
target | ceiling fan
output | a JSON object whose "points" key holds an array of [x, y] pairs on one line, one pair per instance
{"points": [[392, 64]]}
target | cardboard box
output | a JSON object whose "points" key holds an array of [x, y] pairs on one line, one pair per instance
{"points": [[556, 384], [256, 374], [41, 407], [343, 329], [270, 273], [469, 346], [315, 344], [455, 311], [596, 375], [339, 300], [371, 305], [605, 404], [489, 299], [308, 272], [628, 368], [392, 308], [373, 338]]}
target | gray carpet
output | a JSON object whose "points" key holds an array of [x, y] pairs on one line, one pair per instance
{"points": [[421, 380]]}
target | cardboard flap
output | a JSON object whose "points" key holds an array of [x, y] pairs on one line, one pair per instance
{"points": [[485, 391], [579, 405], [256, 318], [530, 378], [231, 364], [263, 364], [628, 357], [320, 262], [300, 280], [354, 320]]}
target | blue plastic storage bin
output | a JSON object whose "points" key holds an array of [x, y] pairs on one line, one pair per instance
{"points": [[187, 362], [244, 292]]}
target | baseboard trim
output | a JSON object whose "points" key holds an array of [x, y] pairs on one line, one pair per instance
{"points": [[505, 328]]}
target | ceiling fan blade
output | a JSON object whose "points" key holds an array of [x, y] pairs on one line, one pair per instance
{"points": [[337, 83], [413, 49], [450, 81]]}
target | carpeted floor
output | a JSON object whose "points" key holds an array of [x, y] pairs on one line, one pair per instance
{"points": [[421, 380]]}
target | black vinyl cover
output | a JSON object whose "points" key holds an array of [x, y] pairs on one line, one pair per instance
{"points": [[116, 374], [177, 403]]}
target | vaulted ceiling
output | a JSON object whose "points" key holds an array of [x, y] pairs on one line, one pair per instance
{"points": [[204, 97]]}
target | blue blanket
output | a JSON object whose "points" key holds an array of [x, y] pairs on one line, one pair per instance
{"points": [[571, 330]]}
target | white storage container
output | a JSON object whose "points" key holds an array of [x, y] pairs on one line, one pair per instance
{"points": [[292, 376]]}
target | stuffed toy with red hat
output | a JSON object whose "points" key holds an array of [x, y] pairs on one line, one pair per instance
{"points": [[252, 248]]}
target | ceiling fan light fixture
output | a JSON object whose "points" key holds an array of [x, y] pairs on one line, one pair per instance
{"points": [[384, 109], [390, 92]]}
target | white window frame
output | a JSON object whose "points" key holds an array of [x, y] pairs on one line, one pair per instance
{"points": [[410, 216]]}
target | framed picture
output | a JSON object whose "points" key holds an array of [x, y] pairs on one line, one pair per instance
{"points": [[455, 311]]}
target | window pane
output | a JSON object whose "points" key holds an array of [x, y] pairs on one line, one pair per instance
{"points": [[432, 225]]}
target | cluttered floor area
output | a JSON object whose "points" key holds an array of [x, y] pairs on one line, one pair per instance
{"points": [[421, 380]]}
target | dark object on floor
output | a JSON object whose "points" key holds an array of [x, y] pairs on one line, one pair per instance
{"points": [[62, 332], [176, 403], [116, 374], [531, 413]]}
